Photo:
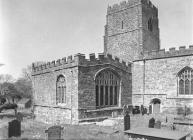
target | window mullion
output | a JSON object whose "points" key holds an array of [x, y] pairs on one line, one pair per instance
{"points": [[56, 94], [109, 84], [99, 92], [184, 85], [189, 86]]}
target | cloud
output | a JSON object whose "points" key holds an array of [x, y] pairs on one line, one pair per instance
{"points": [[1, 64]]}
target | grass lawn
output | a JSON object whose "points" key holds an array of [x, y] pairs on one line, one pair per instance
{"points": [[33, 129]]}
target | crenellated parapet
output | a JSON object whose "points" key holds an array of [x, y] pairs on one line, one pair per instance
{"points": [[173, 52], [127, 4], [80, 60]]}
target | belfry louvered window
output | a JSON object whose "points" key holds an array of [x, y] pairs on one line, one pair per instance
{"points": [[150, 24], [185, 81], [61, 89], [107, 88]]}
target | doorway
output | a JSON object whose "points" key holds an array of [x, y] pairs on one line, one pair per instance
{"points": [[155, 105]]}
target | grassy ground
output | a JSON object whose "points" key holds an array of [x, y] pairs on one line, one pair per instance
{"points": [[33, 129]]}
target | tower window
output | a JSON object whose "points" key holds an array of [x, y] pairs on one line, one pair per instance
{"points": [[150, 24]]}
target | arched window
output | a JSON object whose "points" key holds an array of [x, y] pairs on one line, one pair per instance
{"points": [[107, 88], [61, 89], [150, 24], [185, 81], [187, 86], [181, 87]]}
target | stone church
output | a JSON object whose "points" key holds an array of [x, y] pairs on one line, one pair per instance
{"points": [[132, 70]]}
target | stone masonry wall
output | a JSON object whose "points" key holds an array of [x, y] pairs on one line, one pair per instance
{"points": [[126, 33], [79, 73], [123, 40], [87, 98], [150, 38], [86, 87], [53, 115], [160, 80], [44, 86]]}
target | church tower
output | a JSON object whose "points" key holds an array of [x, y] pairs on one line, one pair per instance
{"points": [[131, 28]]}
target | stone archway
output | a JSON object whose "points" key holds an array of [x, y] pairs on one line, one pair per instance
{"points": [[155, 103]]}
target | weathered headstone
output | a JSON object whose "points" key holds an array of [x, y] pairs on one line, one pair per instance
{"points": [[151, 123], [114, 114], [173, 127], [129, 107], [126, 122], [136, 110], [14, 128], [157, 124], [19, 116], [54, 132]]}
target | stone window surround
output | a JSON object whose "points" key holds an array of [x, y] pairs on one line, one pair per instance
{"points": [[150, 24], [185, 74], [62, 84], [109, 84]]}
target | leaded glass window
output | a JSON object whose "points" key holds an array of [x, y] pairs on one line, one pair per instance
{"points": [[61, 89], [107, 88], [185, 81]]}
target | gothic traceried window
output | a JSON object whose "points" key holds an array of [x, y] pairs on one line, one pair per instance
{"points": [[181, 87], [107, 88], [185, 81], [191, 86], [61, 89], [187, 86]]}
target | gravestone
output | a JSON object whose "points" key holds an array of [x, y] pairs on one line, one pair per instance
{"points": [[136, 110], [14, 128], [126, 122], [151, 123], [114, 114], [173, 127], [19, 116], [157, 124], [54, 132]]}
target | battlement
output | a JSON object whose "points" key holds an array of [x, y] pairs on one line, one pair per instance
{"points": [[173, 52], [79, 60], [130, 3]]}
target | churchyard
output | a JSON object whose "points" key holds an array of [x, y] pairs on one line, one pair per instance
{"points": [[109, 129]]}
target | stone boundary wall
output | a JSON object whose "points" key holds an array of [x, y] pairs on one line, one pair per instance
{"points": [[130, 3], [173, 52], [79, 59]]}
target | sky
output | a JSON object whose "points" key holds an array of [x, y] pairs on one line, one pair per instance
{"points": [[46, 30]]}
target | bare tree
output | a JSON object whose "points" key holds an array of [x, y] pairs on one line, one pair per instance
{"points": [[6, 78], [26, 73]]}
